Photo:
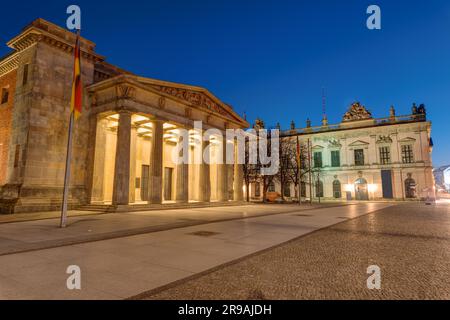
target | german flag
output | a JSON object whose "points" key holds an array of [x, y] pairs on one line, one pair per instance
{"points": [[77, 88]]}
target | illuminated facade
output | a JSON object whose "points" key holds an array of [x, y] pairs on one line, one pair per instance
{"points": [[363, 158], [123, 140]]}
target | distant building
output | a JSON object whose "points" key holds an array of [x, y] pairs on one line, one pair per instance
{"points": [[363, 158], [442, 177]]}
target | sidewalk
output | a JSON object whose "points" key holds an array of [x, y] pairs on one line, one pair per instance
{"points": [[42, 234], [127, 266]]}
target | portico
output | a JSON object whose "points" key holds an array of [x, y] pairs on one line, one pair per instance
{"points": [[146, 149]]}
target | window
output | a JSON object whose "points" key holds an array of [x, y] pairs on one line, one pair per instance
{"points": [[303, 189], [25, 74], [257, 190], [407, 154], [271, 187], [317, 159], [359, 157], [335, 158], [336, 189], [319, 189], [385, 155], [5, 94], [287, 190]]}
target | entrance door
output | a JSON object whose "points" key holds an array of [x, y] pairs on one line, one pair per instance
{"points": [[361, 192], [168, 172], [144, 182], [386, 182]]}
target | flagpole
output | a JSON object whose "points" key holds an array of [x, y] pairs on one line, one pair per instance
{"points": [[63, 222], [67, 174]]}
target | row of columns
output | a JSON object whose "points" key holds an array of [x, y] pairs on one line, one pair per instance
{"points": [[123, 175]]}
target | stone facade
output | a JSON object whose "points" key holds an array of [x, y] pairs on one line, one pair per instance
{"points": [[116, 130], [363, 158], [7, 89]]}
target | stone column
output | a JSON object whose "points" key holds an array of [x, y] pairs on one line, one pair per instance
{"points": [[133, 164], [395, 150], [222, 171], [204, 175], [121, 186], [344, 160], [182, 184], [155, 191], [99, 161], [238, 181]]}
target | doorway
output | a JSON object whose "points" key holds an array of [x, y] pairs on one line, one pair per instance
{"points": [[168, 173], [361, 190]]}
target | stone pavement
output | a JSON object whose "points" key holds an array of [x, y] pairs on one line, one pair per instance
{"points": [[43, 234], [127, 266], [410, 243]]}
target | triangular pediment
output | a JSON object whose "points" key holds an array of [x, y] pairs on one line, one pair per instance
{"points": [[407, 139], [195, 96], [358, 143]]}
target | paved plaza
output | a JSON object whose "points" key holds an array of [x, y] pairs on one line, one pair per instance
{"points": [[410, 243], [128, 265]]}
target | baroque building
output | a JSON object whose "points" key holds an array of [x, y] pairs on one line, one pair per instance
{"points": [[122, 141], [363, 158]]}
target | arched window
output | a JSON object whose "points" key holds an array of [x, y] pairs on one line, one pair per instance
{"points": [[303, 189], [287, 189], [410, 188], [319, 189], [337, 189]]}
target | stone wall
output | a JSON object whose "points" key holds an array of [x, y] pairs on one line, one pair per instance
{"points": [[6, 81]]}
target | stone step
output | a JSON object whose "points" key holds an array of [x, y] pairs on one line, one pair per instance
{"points": [[149, 207]]}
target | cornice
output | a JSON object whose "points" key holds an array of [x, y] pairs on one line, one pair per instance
{"points": [[9, 63], [33, 35]]}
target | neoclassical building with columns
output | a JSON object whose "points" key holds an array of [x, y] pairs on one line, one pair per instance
{"points": [[364, 158], [123, 142]]}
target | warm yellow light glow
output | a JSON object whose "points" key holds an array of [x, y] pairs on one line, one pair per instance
{"points": [[349, 187], [372, 187], [139, 118], [169, 126]]}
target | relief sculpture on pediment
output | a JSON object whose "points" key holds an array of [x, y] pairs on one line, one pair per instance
{"points": [[196, 98]]}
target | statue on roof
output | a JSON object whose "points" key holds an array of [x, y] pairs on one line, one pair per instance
{"points": [[357, 112]]}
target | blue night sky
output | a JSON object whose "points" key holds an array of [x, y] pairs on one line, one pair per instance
{"points": [[270, 59]]}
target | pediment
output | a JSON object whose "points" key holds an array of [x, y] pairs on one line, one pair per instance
{"points": [[317, 147], [358, 143], [196, 96], [356, 112], [407, 139]]}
